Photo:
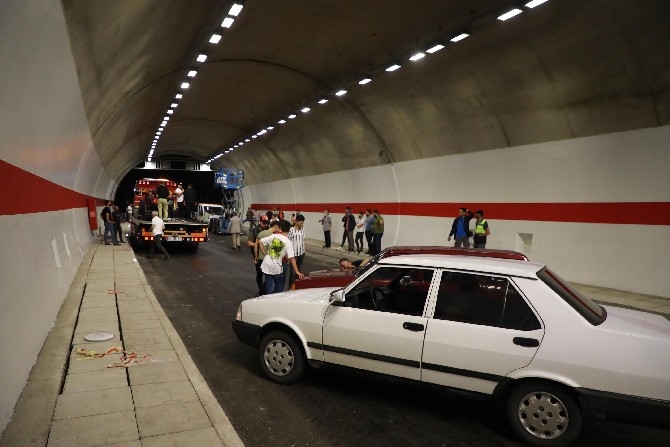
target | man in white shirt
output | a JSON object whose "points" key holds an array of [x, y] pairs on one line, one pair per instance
{"points": [[179, 192], [157, 227], [278, 247], [297, 237]]}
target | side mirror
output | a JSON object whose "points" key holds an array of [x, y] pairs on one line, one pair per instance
{"points": [[337, 296], [405, 280]]}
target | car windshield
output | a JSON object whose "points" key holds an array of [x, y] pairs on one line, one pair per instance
{"points": [[368, 265], [214, 209], [590, 310]]}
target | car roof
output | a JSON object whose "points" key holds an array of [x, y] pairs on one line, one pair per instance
{"points": [[510, 267], [452, 251]]}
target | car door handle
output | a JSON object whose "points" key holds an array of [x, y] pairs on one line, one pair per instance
{"points": [[527, 342], [414, 327]]}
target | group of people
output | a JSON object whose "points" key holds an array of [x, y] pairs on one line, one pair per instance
{"points": [[112, 217], [278, 250], [460, 229], [368, 224], [184, 202]]}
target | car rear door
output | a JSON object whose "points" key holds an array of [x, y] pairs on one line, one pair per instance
{"points": [[481, 329], [382, 325]]}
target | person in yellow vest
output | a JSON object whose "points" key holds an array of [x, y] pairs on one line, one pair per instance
{"points": [[481, 230]]}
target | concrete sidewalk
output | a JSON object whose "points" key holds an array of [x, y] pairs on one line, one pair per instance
{"points": [[74, 402]]}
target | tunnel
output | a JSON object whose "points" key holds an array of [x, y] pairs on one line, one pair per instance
{"points": [[554, 120]]}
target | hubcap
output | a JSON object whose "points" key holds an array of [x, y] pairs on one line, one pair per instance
{"points": [[543, 415], [278, 357]]}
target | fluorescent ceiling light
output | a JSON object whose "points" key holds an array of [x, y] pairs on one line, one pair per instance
{"points": [[393, 67], [291, 116], [305, 109], [435, 48], [460, 37], [170, 112], [270, 127], [227, 22], [166, 118], [417, 56], [202, 57], [163, 123], [341, 92], [323, 101], [254, 136], [235, 9], [185, 85], [173, 105], [192, 73], [364, 81], [247, 140], [161, 128], [535, 3], [281, 121], [178, 96], [149, 159], [262, 132], [510, 14], [215, 38]]}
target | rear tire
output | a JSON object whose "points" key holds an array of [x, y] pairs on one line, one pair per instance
{"points": [[281, 357], [543, 414]]}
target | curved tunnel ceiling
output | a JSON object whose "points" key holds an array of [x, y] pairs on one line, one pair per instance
{"points": [[558, 71]]}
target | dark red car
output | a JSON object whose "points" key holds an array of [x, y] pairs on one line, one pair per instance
{"points": [[342, 278]]}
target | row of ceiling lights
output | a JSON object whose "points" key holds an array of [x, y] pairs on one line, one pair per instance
{"points": [[457, 37], [228, 20], [201, 57]]}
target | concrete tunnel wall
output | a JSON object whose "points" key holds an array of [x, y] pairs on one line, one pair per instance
{"points": [[44, 231]]}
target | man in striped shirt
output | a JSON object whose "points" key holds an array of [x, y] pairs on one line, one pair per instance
{"points": [[297, 237]]}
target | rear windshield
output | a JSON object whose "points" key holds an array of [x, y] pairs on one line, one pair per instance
{"points": [[586, 307]]}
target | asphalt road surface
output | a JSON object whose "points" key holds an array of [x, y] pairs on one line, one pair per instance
{"points": [[200, 293]]}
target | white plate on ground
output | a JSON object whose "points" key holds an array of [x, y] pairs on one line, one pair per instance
{"points": [[99, 336]]}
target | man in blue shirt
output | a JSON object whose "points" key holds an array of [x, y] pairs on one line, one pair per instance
{"points": [[460, 228]]}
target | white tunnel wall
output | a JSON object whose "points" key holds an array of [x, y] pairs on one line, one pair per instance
{"points": [[619, 167], [43, 130]]}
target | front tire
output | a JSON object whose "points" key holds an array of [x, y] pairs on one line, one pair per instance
{"points": [[281, 357], [544, 414]]}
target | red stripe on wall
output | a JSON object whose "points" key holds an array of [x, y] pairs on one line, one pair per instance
{"points": [[636, 213], [26, 193]]}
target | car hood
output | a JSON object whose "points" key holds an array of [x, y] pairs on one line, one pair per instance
{"points": [[636, 323], [320, 294]]}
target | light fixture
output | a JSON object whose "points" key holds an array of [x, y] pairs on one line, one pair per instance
{"points": [[247, 140], [365, 81], [173, 105], [254, 136], [281, 121], [163, 123], [341, 92], [416, 57], [535, 3], [305, 109], [235, 9], [270, 127], [202, 57], [185, 85], [459, 37], [510, 14], [227, 22], [435, 48], [393, 67], [192, 73], [170, 112], [216, 38], [161, 128], [166, 118], [178, 96], [262, 132], [291, 116], [323, 101]]}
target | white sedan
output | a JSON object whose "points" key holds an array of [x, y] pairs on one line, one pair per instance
{"points": [[511, 330]]}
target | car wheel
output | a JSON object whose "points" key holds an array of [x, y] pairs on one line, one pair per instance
{"points": [[544, 414], [281, 357]]}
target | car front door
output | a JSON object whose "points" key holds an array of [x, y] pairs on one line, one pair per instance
{"points": [[380, 327], [482, 328]]}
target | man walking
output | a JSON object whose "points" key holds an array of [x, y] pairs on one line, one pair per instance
{"points": [[460, 228], [108, 221], [327, 223], [157, 227], [235, 229]]}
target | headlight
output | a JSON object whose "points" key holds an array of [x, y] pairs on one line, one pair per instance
{"points": [[238, 316]]}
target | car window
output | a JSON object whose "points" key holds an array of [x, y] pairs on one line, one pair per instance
{"points": [[586, 307], [483, 299], [402, 290]]}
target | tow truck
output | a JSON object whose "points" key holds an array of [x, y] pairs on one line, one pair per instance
{"points": [[176, 231]]}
